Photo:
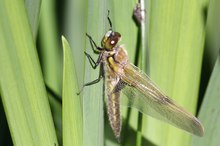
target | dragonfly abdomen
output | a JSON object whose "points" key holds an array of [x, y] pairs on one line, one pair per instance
{"points": [[114, 113]]}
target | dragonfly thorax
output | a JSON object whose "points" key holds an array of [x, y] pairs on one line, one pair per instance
{"points": [[110, 40], [117, 59]]}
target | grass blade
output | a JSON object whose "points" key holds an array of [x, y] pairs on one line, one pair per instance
{"points": [[212, 43], [72, 106], [21, 84], [91, 19], [75, 33], [49, 50], [209, 113], [176, 48], [33, 10]]}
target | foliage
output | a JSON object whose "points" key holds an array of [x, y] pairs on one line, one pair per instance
{"points": [[182, 39]]}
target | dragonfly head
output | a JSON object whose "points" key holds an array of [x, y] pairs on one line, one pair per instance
{"points": [[110, 39]]}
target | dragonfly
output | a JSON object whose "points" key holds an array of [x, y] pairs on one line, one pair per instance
{"points": [[121, 76]]}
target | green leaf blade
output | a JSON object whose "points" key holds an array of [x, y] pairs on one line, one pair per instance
{"points": [[177, 32], [72, 106], [49, 50], [21, 84], [209, 113], [33, 10]]}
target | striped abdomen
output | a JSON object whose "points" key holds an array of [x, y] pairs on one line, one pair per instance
{"points": [[114, 113], [113, 107]]}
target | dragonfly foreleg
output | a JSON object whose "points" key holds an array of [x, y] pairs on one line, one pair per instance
{"points": [[92, 43], [93, 63]]}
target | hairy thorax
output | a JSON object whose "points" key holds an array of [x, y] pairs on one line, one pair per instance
{"points": [[117, 59]]}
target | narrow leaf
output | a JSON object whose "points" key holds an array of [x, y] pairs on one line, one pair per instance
{"points": [[22, 87], [176, 42], [50, 52], [33, 10], [72, 106], [209, 113], [93, 106]]}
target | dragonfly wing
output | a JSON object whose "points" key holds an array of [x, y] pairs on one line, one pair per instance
{"points": [[143, 94]]}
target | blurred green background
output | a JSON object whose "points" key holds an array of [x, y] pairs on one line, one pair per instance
{"points": [[40, 73]]}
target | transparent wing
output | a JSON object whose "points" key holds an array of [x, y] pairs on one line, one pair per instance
{"points": [[143, 95]]}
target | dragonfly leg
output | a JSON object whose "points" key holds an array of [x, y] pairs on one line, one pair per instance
{"points": [[92, 82], [95, 49], [93, 63]]}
